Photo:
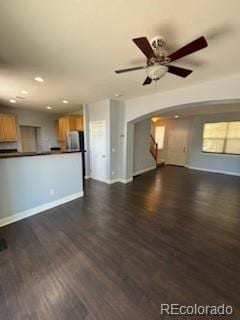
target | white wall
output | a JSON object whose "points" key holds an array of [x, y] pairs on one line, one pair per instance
{"points": [[111, 111], [26, 184], [36, 119], [116, 138], [215, 91], [79, 112], [86, 139], [195, 158], [142, 158], [212, 92]]}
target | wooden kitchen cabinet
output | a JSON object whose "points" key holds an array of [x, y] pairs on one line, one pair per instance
{"points": [[66, 124], [62, 129], [8, 128], [1, 130], [79, 123]]}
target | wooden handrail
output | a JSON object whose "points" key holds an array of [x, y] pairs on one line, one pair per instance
{"points": [[153, 148], [153, 140]]}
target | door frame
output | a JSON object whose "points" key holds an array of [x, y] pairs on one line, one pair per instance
{"points": [[105, 152]]}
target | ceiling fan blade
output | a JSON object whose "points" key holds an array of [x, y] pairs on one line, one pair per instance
{"points": [[129, 69], [191, 47], [181, 72], [144, 45], [147, 81]]}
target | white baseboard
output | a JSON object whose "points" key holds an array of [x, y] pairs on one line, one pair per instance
{"points": [[119, 180], [115, 180], [214, 171], [125, 180], [144, 170], [24, 214], [112, 181], [104, 180], [87, 177]]}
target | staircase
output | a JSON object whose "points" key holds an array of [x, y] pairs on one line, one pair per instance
{"points": [[154, 151]]}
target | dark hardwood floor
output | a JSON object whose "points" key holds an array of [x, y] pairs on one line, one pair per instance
{"points": [[171, 236]]}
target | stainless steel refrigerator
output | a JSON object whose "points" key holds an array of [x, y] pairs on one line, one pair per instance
{"points": [[75, 142]]}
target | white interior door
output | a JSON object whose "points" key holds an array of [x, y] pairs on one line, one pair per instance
{"points": [[98, 150], [177, 147]]}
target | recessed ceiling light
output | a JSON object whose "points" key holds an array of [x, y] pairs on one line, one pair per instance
{"points": [[176, 116], [65, 101], [24, 92], [39, 79], [12, 101], [48, 107]]}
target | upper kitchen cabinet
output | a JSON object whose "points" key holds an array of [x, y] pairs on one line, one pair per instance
{"points": [[79, 123], [8, 128], [66, 124], [1, 130]]}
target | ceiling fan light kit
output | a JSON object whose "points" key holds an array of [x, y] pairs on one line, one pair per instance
{"points": [[158, 60], [155, 72]]}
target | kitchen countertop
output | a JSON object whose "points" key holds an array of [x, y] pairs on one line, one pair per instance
{"points": [[33, 154]]}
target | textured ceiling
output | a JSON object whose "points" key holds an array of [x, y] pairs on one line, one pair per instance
{"points": [[76, 45]]}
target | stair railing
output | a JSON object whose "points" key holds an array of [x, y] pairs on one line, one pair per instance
{"points": [[153, 148]]}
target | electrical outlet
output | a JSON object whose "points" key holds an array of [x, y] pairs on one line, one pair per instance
{"points": [[113, 173]]}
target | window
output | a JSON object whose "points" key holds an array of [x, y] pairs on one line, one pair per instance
{"points": [[222, 137], [159, 136]]}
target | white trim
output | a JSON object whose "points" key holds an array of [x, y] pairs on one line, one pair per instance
{"points": [[215, 154], [111, 181], [126, 180], [24, 214], [214, 171], [101, 180], [115, 180], [87, 177], [144, 170]]}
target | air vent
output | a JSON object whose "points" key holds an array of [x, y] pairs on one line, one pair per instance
{"points": [[20, 98]]}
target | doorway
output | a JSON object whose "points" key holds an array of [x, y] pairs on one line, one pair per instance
{"points": [[98, 150], [29, 138], [177, 147]]}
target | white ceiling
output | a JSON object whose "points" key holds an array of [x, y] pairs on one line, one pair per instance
{"points": [[76, 45], [201, 109]]}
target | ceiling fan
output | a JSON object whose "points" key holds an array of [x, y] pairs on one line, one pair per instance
{"points": [[158, 59]]}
